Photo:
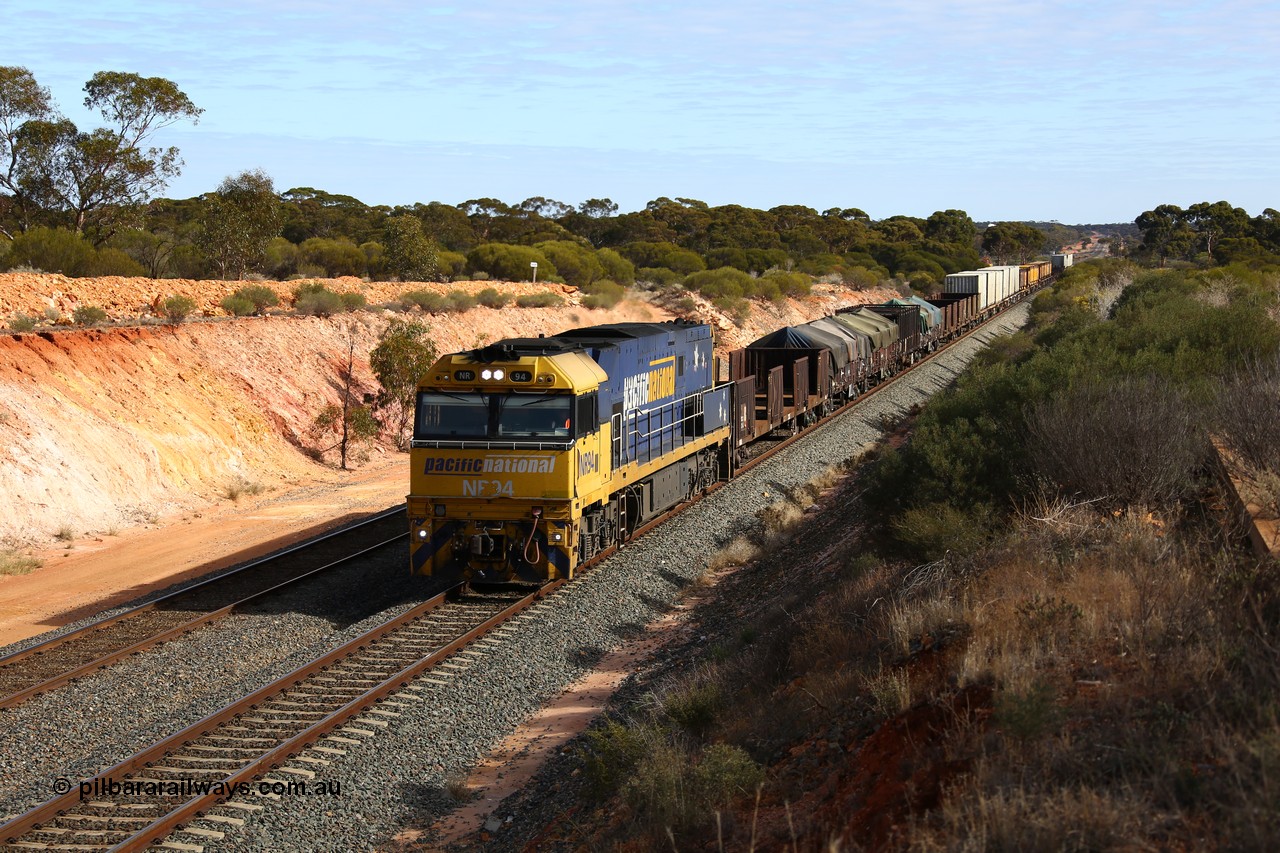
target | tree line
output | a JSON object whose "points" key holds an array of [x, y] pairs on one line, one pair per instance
{"points": [[87, 203], [1208, 233]]}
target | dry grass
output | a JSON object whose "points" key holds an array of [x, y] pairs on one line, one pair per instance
{"points": [[13, 562], [1019, 820], [738, 552], [240, 486]]}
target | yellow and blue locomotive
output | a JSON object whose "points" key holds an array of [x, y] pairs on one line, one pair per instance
{"points": [[531, 455]]}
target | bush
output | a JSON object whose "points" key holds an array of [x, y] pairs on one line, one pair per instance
{"points": [[352, 301], [451, 264], [510, 263], [576, 264], [668, 255], [432, 303], [177, 307], [112, 261], [51, 250], [545, 299], [459, 301], [789, 283], [237, 306], [612, 752], [88, 315], [729, 282], [1246, 415], [603, 294], [1132, 441], [491, 297], [658, 276], [22, 323], [260, 296], [320, 303], [616, 267], [14, 563]]}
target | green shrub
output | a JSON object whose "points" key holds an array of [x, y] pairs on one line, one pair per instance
{"points": [[723, 773], [616, 267], [491, 297], [177, 307], [544, 299], [432, 303], [88, 315], [321, 303], [727, 282], [22, 323], [352, 301], [789, 283], [111, 261], [459, 301], [695, 708], [603, 294], [237, 306], [451, 264], [612, 752], [669, 255], [258, 295], [658, 276], [510, 263], [51, 250], [929, 532], [576, 264]]}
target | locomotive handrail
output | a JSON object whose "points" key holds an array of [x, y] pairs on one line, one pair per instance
{"points": [[472, 444]]}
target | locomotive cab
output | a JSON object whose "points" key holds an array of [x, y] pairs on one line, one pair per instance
{"points": [[532, 455], [501, 438]]}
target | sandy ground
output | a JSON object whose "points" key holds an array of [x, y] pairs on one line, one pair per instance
{"points": [[88, 576]]}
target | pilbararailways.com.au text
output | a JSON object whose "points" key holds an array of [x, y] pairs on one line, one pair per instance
{"points": [[197, 788]]}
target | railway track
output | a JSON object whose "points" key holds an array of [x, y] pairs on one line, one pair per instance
{"points": [[211, 774], [289, 731], [63, 659]]}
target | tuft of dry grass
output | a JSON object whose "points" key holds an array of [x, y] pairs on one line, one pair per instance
{"points": [[457, 788], [992, 818], [240, 486], [14, 562], [738, 552]]}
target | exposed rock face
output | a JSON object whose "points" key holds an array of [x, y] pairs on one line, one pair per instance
{"points": [[102, 429]]}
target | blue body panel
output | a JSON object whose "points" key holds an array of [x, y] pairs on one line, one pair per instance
{"points": [[657, 373]]}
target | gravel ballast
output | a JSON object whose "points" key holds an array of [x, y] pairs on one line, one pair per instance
{"points": [[398, 776]]}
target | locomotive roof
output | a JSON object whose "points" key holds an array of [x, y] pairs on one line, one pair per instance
{"points": [[572, 340]]}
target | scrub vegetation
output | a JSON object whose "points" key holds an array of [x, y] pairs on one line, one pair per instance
{"points": [[1047, 640]]}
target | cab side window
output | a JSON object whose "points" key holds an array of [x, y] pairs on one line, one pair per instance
{"points": [[586, 414]]}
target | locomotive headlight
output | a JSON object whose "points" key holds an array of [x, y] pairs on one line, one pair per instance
{"points": [[422, 533], [557, 537], [486, 374], [498, 374]]}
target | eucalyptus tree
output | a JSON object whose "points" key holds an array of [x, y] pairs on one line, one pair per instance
{"points": [[97, 180], [241, 217]]}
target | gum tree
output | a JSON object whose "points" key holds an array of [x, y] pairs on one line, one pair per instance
{"points": [[91, 181]]}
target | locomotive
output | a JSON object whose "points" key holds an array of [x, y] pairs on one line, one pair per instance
{"points": [[532, 455]]}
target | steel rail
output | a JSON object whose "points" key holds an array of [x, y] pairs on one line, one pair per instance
{"points": [[36, 820], [80, 670], [159, 829]]}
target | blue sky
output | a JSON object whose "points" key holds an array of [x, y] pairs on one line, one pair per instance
{"points": [[1080, 112]]}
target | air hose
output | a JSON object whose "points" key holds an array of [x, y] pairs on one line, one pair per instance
{"points": [[533, 529]]}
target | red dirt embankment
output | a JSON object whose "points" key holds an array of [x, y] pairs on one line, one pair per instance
{"points": [[106, 431]]}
